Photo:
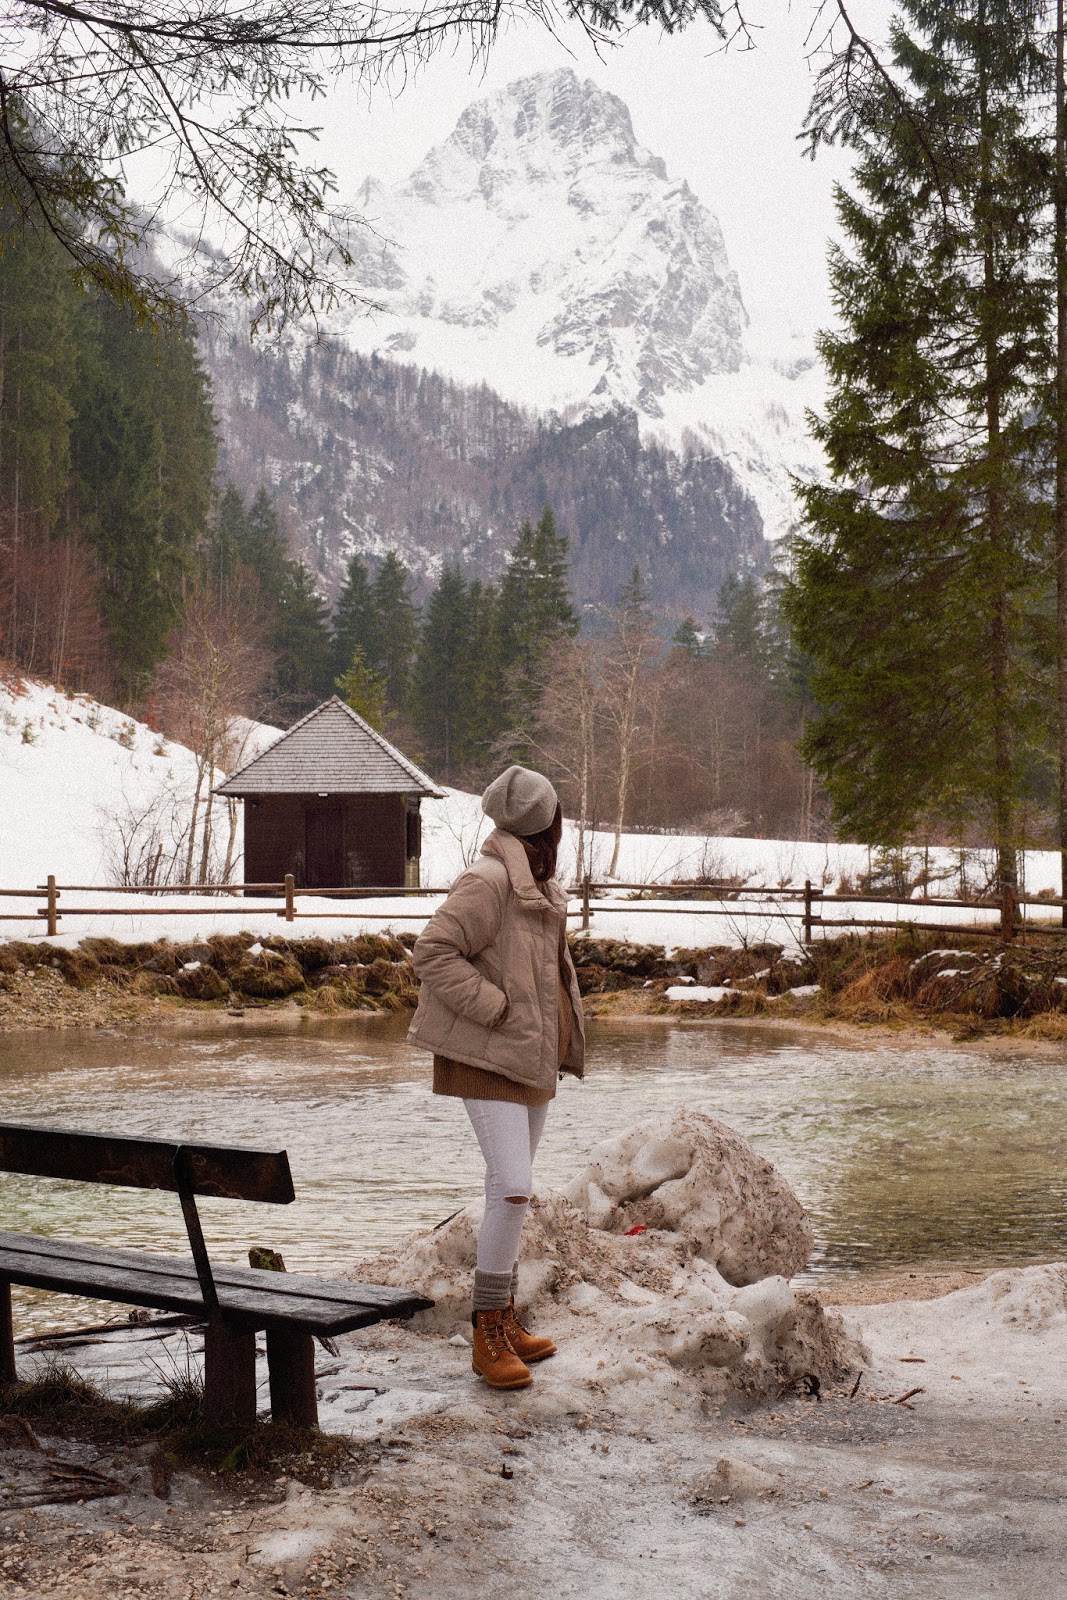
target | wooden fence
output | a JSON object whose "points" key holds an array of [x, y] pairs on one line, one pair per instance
{"points": [[701, 900], [799, 902]]}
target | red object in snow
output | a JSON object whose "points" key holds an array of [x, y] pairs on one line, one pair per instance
{"points": [[631, 1231]]}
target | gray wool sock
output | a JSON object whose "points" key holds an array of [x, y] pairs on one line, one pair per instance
{"points": [[515, 1280], [492, 1290]]}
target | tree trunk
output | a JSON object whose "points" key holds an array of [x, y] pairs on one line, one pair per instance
{"points": [[583, 797], [1061, 434], [194, 818], [621, 797], [1004, 820], [231, 840]]}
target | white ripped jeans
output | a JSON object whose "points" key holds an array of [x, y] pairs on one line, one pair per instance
{"points": [[509, 1136]]}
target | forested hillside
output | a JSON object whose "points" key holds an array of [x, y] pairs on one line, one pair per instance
{"points": [[369, 455], [107, 464]]}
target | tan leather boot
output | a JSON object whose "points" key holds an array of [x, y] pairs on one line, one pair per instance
{"points": [[526, 1345], [492, 1356]]}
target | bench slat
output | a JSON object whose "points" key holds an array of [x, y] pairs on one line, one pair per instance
{"points": [[170, 1288], [296, 1284], [228, 1172]]}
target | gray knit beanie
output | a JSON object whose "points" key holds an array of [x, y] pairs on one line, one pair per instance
{"points": [[520, 801]]}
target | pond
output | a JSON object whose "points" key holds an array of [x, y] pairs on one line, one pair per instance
{"points": [[904, 1153]]}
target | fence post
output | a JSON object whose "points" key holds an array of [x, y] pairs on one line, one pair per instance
{"points": [[290, 897], [585, 903], [807, 910]]}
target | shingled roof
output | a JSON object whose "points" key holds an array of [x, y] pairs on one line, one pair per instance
{"points": [[330, 751]]}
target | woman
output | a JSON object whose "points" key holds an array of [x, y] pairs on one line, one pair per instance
{"points": [[499, 1007]]}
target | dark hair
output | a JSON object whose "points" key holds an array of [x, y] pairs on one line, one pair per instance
{"points": [[542, 848]]}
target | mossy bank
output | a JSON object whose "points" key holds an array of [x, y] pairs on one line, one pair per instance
{"points": [[971, 986], [102, 982]]}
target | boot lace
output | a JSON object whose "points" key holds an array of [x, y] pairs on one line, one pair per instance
{"points": [[496, 1341]]}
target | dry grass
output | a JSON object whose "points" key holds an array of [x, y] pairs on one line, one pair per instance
{"points": [[967, 983], [61, 1402]]}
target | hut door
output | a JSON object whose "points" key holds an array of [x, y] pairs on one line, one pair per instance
{"points": [[325, 844]]}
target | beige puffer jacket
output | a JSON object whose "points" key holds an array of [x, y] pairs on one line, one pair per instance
{"points": [[488, 961]]}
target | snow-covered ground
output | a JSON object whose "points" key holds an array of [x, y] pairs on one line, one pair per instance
{"points": [[77, 779], [691, 1439], [74, 777]]}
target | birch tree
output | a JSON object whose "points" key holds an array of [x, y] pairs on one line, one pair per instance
{"points": [[217, 671], [628, 694]]}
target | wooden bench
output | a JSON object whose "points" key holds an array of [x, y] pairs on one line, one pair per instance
{"points": [[236, 1302]]}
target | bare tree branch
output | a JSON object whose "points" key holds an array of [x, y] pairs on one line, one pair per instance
{"points": [[205, 86], [849, 87]]}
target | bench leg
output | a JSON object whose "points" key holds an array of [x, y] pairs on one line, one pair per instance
{"points": [[7, 1335], [291, 1365], [229, 1375]]}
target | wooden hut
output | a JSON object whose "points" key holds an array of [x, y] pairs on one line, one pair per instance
{"points": [[334, 803]]}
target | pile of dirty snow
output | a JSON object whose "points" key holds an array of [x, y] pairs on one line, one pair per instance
{"points": [[664, 1266]]}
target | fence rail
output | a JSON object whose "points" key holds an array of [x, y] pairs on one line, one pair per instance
{"points": [[790, 902]]}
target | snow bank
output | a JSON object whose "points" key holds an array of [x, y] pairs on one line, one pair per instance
{"points": [[74, 774], [650, 1309], [1000, 1343], [73, 770], [454, 829]]}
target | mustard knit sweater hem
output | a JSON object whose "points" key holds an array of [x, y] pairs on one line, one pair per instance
{"points": [[476, 1083]]}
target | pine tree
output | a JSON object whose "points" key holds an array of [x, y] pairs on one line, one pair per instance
{"points": [[225, 541], [37, 366], [489, 717], [364, 690], [265, 551], [633, 598], [740, 622], [534, 615], [143, 449], [689, 639], [355, 619], [304, 672], [38, 357], [244, 555], [443, 701], [397, 622], [921, 583]]}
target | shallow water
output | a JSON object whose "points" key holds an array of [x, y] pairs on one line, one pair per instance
{"points": [[903, 1153]]}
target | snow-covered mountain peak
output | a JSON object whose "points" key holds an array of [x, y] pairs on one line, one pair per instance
{"points": [[541, 248], [550, 128]]}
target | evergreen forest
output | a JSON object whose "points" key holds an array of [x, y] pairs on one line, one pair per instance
{"points": [[375, 453], [130, 571]]}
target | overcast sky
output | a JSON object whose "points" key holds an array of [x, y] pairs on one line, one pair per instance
{"points": [[725, 121]]}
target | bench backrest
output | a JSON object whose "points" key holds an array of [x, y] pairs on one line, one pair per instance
{"points": [[230, 1172]]}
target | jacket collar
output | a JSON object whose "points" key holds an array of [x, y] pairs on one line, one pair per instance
{"points": [[507, 848]]}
